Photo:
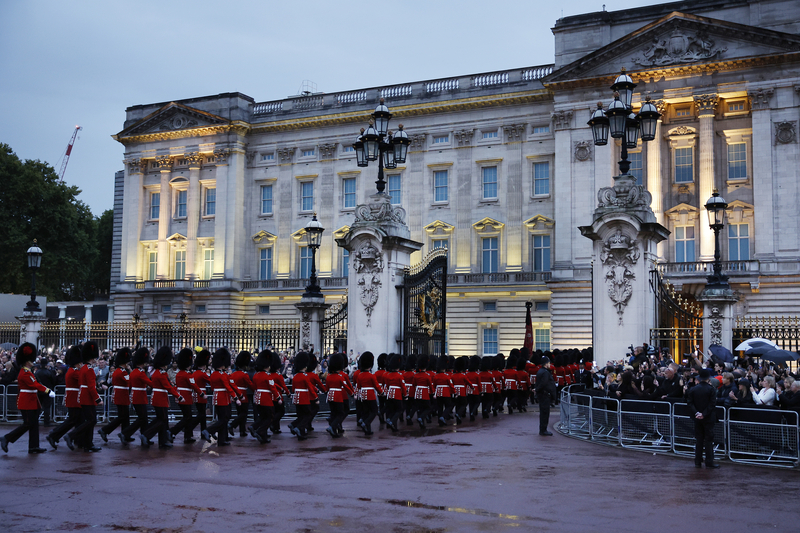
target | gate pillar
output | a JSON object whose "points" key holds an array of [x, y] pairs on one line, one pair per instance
{"points": [[380, 247], [312, 316], [625, 234]]}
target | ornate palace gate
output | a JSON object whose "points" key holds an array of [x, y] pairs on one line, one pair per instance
{"points": [[678, 321], [425, 305], [334, 329]]}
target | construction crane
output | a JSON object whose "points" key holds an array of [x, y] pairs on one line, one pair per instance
{"points": [[65, 159]]}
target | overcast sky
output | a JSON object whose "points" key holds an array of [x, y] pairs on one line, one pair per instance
{"points": [[83, 63]]}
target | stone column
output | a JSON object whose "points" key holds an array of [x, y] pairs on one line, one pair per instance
{"points": [[194, 211], [234, 218], [763, 183], [110, 313], [706, 105], [312, 313], [718, 317], [87, 313], [132, 220], [164, 215], [516, 194], [654, 178], [380, 250], [30, 325], [563, 196]]}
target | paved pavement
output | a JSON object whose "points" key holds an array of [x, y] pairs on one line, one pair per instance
{"points": [[491, 475]]}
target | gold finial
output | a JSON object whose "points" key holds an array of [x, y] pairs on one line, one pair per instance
{"points": [[381, 101], [622, 70], [362, 130]]}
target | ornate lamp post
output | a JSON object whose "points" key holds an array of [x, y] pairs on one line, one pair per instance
{"points": [[34, 262], [621, 123], [715, 208], [313, 238], [377, 142]]}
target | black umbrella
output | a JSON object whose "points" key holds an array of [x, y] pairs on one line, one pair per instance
{"points": [[721, 353], [779, 356], [759, 348], [8, 346]]}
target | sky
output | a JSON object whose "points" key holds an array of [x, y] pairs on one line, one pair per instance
{"points": [[83, 63]]}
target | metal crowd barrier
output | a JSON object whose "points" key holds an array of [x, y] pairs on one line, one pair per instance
{"points": [[759, 436]]}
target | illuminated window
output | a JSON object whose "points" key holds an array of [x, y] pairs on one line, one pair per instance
{"points": [[489, 179], [489, 263], [305, 262], [393, 188], [737, 161], [636, 167], [180, 264], [733, 107], [684, 244], [265, 263], [541, 178], [683, 111], [349, 187], [208, 263], [541, 253], [541, 338], [738, 242], [155, 203], [152, 265], [684, 165], [489, 341]]}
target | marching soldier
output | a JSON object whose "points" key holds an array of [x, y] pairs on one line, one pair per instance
{"points": [[188, 389], [200, 376], [120, 380], [89, 400], [73, 386], [139, 382], [368, 388], [223, 394], [263, 395], [160, 400], [243, 383]]}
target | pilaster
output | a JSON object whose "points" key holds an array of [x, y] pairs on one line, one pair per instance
{"points": [[655, 182], [706, 105], [763, 184], [132, 219], [164, 215], [194, 207]]}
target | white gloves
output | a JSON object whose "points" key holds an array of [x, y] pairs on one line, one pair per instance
{"points": [[51, 394]]}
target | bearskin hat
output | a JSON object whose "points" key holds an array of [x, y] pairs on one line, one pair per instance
{"points": [[89, 351], [441, 364], [335, 363], [366, 361], [243, 360], [276, 362], [451, 362], [514, 353], [73, 356], [221, 359], [525, 353], [312, 362], [26, 353], [184, 358], [264, 360], [500, 361], [433, 360], [382, 361], [511, 363], [461, 363], [422, 361], [411, 363], [123, 356], [163, 357], [486, 363], [393, 362], [521, 362], [300, 362], [474, 363], [140, 357], [202, 359]]}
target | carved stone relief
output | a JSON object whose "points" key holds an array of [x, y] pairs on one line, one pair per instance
{"points": [[367, 263], [380, 212], [583, 150], [418, 140], [164, 162], [514, 132], [327, 151], [679, 47], [624, 193], [562, 119], [136, 166], [177, 122], [619, 254], [706, 104], [286, 154], [221, 156], [716, 326], [759, 99], [785, 132], [464, 137]]}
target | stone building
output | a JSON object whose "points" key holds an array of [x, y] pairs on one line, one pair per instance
{"points": [[216, 190]]}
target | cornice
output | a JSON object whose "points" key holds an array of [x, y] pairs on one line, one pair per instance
{"points": [[238, 127]]}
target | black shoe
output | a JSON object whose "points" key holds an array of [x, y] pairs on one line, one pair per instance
{"points": [[4, 444], [170, 437], [714, 465], [259, 438], [276, 431], [144, 441], [189, 440], [206, 436], [545, 434], [421, 423], [472, 418], [36, 450], [165, 446], [223, 443], [698, 465], [294, 431], [458, 420], [102, 435], [52, 442], [330, 431], [93, 449], [122, 438], [68, 440], [494, 413], [231, 431], [442, 422], [310, 429]]}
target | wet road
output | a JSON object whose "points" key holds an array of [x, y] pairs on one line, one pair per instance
{"points": [[491, 475]]}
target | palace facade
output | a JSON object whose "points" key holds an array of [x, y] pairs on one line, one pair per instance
{"points": [[211, 207]]}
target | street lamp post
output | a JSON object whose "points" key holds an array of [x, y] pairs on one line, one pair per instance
{"points": [[377, 142], [313, 237], [34, 262], [715, 208], [621, 123]]}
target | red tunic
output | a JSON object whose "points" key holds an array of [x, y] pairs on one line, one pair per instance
{"points": [[301, 384], [279, 384], [120, 380], [162, 387], [379, 375], [531, 370], [395, 385], [487, 382], [223, 390], [202, 381], [444, 385], [422, 386], [186, 385], [497, 376], [338, 386], [88, 393], [27, 400], [355, 384], [510, 379], [474, 382], [263, 389], [139, 383], [316, 384], [459, 380], [408, 381], [522, 379], [368, 386], [73, 384], [242, 382]]}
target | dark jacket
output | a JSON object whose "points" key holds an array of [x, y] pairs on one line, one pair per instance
{"points": [[545, 386], [671, 388], [46, 377], [724, 394], [702, 398]]}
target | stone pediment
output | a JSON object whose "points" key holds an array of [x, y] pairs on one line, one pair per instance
{"points": [[264, 236], [677, 40], [437, 227], [176, 237], [173, 117]]}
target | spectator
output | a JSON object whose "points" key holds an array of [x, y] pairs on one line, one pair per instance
{"points": [[790, 399], [101, 371], [46, 377], [726, 395], [744, 398], [767, 394], [672, 386]]}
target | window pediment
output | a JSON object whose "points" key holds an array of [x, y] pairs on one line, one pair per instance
{"points": [[539, 222], [264, 236], [437, 227], [488, 225]]}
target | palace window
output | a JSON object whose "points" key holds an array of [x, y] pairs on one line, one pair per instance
{"points": [[684, 244], [349, 190], [541, 129], [440, 243], [345, 263], [307, 196], [152, 265], [489, 341], [211, 202], [637, 171], [266, 199], [441, 139], [394, 190], [180, 210], [305, 262], [738, 242], [268, 157], [440, 186], [265, 263], [541, 178], [208, 263], [684, 165], [541, 253], [180, 264], [489, 183], [490, 134], [309, 153], [737, 161], [155, 204], [541, 339], [489, 262]]}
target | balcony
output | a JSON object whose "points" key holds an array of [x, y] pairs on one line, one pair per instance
{"points": [[498, 279], [695, 273], [292, 283]]}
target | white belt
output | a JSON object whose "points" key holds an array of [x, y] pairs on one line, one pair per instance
{"points": [[263, 390], [72, 390], [440, 387], [84, 386], [220, 390], [334, 389], [301, 390], [139, 388], [159, 390], [242, 388], [28, 390], [366, 388], [118, 388], [181, 388], [395, 387], [511, 381]]}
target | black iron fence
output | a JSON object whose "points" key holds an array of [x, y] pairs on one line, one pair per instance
{"points": [[783, 331]]}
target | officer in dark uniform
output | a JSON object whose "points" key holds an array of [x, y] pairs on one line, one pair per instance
{"points": [[701, 400], [545, 391]]}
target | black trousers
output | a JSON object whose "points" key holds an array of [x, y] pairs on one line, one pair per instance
{"points": [[544, 411], [359, 410], [84, 431], [158, 426], [240, 420], [394, 408], [381, 409], [460, 406], [497, 403], [202, 417], [73, 419], [187, 423], [369, 410], [264, 414], [522, 398], [474, 401], [219, 427], [303, 419], [338, 414], [487, 398], [280, 411], [47, 406], [30, 423], [140, 423], [704, 441], [442, 406], [314, 410], [410, 407], [123, 419], [424, 409]]}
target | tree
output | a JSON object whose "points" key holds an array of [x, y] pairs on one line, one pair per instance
{"points": [[34, 205]]}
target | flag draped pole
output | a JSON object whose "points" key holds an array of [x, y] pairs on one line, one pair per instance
{"points": [[528, 328]]}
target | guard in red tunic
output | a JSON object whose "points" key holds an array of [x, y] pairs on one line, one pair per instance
{"points": [[368, 389], [162, 390], [459, 379], [301, 398], [499, 361], [317, 387], [510, 385], [27, 401], [120, 381], [188, 389], [381, 389], [89, 399], [263, 395], [409, 404], [522, 380], [280, 389], [473, 386], [243, 383], [200, 376], [72, 380], [224, 393], [422, 387], [487, 385], [444, 389], [395, 389], [139, 381], [339, 390]]}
